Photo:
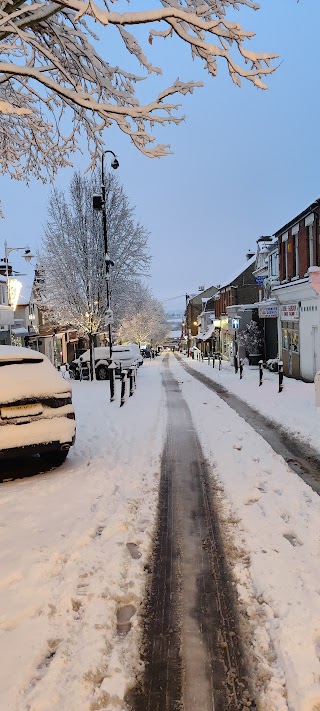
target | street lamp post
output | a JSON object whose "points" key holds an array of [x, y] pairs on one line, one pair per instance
{"points": [[108, 261], [27, 256], [99, 203], [187, 325]]}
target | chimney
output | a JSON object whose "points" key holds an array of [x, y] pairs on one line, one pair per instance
{"points": [[250, 254]]}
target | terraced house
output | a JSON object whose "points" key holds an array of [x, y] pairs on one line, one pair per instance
{"points": [[298, 293]]}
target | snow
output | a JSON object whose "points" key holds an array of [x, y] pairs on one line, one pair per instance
{"points": [[294, 409], [238, 272], [273, 521], [66, 566], [28, 380]]}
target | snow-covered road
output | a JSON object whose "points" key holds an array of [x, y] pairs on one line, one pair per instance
{"points": [[66, 567]]}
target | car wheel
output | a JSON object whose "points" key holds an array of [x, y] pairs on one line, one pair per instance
{"points": [[102, 372], [54, 459], [72, 374]]}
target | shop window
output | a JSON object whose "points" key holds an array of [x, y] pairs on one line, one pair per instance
{"points": [[295, 341], [285, 338]]}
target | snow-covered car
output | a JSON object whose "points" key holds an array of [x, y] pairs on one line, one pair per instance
{"points": [[121, 355], [135, 348], [36, 411]]}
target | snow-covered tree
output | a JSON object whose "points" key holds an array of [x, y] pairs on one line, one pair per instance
{"points": [[50, 66], [145, 320], [251, 338], [73, 290]]}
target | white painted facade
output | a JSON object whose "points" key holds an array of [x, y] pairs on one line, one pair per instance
{"points": [[305, 314]]}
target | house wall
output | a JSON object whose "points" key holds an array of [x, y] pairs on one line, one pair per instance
{"points": [[309, 337], [303, 248]]}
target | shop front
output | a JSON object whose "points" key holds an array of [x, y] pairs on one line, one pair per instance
{"points": [[289, 315], [268, 314]]}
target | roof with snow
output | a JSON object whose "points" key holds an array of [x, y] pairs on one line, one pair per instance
{"points": [[238, 273]]}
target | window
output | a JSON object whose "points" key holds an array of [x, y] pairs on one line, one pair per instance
{"points": [[295, 340], [295, 232], [310, 230], [285, 249], [309, 225], [285, 339]]}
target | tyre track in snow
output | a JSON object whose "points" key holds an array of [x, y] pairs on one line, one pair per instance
{"points": [[191, 648], [300, 457]]}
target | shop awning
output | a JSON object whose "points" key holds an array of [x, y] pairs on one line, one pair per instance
{"points": [[19, 332]]}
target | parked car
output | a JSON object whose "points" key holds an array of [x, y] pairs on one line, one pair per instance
{"points": [[135, 348], [122, 356], [36, 411]]}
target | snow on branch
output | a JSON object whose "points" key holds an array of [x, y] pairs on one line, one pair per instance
{"points": [[51, 72]]}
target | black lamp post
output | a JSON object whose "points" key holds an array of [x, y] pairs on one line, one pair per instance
{"points": [[187, 325], [99, 203]]}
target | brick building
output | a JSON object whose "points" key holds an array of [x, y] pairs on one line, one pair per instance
{"points": [[241, 288], [297, 293]]}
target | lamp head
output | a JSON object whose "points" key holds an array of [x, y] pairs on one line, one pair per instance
{"points": [[115, 163], [27, 256]]}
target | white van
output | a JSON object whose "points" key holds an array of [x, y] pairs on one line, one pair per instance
{"points": [[121, 355]]}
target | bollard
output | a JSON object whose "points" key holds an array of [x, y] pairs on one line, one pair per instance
{"points": [[241, 368], [202, 357], [220, 362], [112, 371], [235, 363], [131, 379], [208, 358], [123, 377], [260, 372], [280, 371], [213, 360]]}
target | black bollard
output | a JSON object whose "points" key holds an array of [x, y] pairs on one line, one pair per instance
{"points": [[123, 377], [235, 363], [220, 362], [241, 368], [280, 371], [213, 360], [112, 370], [260, 372], [131, 379]]}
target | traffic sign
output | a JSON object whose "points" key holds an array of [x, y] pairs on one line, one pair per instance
{"points": [[235, 323]]}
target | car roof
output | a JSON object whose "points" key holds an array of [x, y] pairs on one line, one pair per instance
{"points": [[14, 353]]}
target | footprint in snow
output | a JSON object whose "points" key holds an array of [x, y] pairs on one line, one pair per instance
{"points": [[124, 615], [293, 539], [133, 549]]}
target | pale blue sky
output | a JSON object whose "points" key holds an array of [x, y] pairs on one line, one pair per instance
{"points": [[244, 161]]}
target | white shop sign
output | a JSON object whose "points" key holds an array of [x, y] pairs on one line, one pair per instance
{"points": [[268, 311], [289, 312]]}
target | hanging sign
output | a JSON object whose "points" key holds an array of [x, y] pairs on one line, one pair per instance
{"points": [[268, 310]]}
